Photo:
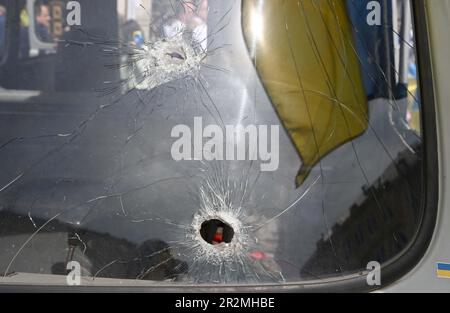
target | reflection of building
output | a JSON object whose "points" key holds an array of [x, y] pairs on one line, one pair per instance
{"points": [[374, 230]]}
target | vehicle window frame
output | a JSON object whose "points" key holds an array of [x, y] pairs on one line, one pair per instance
{"points": [[391, 271]]}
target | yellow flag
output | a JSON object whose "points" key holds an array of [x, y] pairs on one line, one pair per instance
{"points": [[306, 58]]}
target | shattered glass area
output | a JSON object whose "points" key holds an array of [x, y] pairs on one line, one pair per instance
{"points": [[86, 142]]}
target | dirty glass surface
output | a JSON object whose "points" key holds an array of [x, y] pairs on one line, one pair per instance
{"points": [[207, 142]]}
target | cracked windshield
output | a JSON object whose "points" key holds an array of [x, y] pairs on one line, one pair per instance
{"points": [[206, 141]]}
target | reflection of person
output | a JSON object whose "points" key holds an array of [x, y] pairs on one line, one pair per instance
{"points": [[43, 23], [24, 48], [2, 28], [202, 10], [132, 33], [172, 28], [190, 17]]}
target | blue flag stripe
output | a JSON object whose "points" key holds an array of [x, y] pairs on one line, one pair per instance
{"points": [[443, 267]]}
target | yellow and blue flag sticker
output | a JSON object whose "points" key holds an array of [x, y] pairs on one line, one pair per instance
{"points": [[443, 270]]}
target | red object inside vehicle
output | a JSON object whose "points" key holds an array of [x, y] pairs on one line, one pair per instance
{"points": [[218, 237]]}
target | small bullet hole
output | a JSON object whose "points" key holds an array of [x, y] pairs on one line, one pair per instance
{"points": [[176, 55], [216, 232]]}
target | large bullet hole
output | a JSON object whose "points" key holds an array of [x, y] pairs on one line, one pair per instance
{"points": [[216, 232]]}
